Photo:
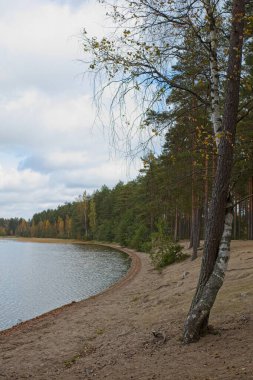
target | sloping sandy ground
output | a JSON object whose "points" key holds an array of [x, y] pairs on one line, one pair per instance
{"points": [[110, 336]]}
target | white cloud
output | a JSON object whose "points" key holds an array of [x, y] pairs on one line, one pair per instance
{"points": [[27, 180], [41, 43], [36, 121], [50, 151], [46, 28]]}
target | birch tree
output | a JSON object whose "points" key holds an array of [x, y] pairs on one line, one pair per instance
{"points": [[140, 59], [220, 218], [92, 216]]}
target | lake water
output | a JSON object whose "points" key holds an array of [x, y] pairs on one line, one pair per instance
{"points": [[39, 277]]}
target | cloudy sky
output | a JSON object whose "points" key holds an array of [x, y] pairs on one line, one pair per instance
{"points": [[51, 150]]}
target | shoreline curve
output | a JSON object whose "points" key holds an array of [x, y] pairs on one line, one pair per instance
{"points": [[134, 269]]}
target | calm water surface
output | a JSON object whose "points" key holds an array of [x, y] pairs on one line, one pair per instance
{"points": [[38, 277]]}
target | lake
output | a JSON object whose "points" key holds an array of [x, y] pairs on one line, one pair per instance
{"points": [[39, 277]]}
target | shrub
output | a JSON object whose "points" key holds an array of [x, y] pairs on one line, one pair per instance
{"points": [[164, 251], [140, 237]]}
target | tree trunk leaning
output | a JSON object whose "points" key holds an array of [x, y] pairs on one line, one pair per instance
{"points": [[220, 218]]}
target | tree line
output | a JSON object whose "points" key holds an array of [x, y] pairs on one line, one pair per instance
{"points": [[188, 67], [172, 192], [185, 62]]}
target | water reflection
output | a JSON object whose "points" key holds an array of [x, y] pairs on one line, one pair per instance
{"points": [[38, 277]]}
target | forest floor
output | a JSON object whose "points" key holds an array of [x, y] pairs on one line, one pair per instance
{"points": [[110, 336]]}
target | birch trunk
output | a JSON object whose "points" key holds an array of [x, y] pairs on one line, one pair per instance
{"points": [[200, 310], [205, 195], [220, 218], [214, 71]]}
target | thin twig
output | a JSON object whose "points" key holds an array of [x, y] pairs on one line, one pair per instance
{"points": [[241, 200]]}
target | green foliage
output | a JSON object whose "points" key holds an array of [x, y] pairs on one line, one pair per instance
{"points": [[140, 238], [164, 251], [105, 231], [92, 216], [142, 213]]}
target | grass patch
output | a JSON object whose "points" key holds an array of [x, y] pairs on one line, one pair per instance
{"points": [[100, 331], [68, 363], [86, 350], [135, 299]]}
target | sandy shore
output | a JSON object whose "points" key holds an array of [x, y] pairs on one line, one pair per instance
{"points": [[109, 336]]}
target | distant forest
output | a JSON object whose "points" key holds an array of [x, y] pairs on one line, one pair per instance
{"points": [[171, 193], [188, 68]]}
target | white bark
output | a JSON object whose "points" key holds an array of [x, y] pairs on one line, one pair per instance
{"points": [[214, 70], [215, 259], [215, 92], [201, 310]]}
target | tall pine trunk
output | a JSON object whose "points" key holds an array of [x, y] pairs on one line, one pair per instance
{"points": [[195, 231], [195, 223], [235, 221], [220, 217], [250, 210], [176, 226]]}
